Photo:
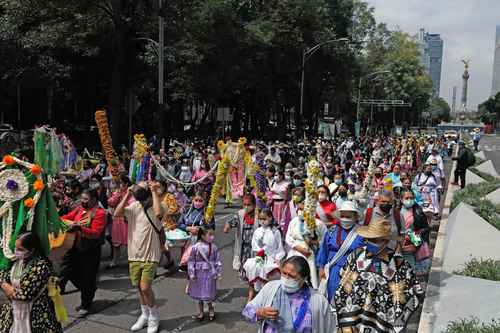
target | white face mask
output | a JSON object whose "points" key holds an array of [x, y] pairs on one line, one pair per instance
{"points": [[347, 223], [290, 286], [300, 214]]}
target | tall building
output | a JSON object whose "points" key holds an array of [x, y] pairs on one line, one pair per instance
{"points": [[431, 57], [496, 65]]}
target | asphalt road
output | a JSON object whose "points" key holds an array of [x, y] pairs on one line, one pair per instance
{"points": [[116, 306], [490, 145]]}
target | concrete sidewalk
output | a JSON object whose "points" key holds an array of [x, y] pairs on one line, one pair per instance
{"points": [[462, 235]]}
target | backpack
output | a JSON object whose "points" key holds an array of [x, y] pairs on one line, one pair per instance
{"points": [[471, 159]]}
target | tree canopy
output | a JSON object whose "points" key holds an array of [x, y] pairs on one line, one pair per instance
{"points": [[68, 58]]}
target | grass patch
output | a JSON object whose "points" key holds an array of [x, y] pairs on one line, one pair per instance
{"points": [[487, 269], [484, 175], [473, 325], [488, 211], [478, 162], [472, 192]]}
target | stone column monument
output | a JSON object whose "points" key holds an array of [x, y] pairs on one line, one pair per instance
{"points": [[465, 87]]}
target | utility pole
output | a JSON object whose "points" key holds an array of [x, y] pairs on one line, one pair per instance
{"points": [[161, 58]]}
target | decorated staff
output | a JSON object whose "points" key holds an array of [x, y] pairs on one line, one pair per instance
{"points": [[231, 155], [107, 144], [311, 201], [25, 204]]}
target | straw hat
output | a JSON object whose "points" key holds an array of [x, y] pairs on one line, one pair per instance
{"points": [[377, 229]]}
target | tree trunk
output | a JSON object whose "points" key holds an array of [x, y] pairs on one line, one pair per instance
{"points": [[122, 53]]}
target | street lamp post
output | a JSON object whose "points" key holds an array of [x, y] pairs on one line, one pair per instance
{"points": [[358, 107], [306, 55]]}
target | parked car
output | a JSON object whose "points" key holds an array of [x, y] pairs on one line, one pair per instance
{"points": [[451, 134]]}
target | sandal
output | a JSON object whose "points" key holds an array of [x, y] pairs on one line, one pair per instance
{"points": [[211, 314], [198, 317]]}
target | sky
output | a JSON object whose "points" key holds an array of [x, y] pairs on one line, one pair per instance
{"points": [[467, 28]]}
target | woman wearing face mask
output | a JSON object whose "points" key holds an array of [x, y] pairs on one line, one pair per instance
{"points": [[304, 242], [29, 307], [170, 217], [408, 186], [290, 304], [429, 186], [378, 180], [279, 189], [268, 252], [337, 181], [415, 234], [395, 175], [119, 227], [245, 224], [371, 270], [325, 208], [290, 210], [204, 268], [81, 264], [186, 172], [339, 242], [190, 222], [342, 195]]}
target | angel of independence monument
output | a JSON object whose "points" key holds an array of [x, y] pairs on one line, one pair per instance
{"points": [[465, 86]]}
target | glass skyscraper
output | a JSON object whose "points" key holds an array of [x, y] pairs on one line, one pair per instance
{"points": [[496, 65], [431, 57]]}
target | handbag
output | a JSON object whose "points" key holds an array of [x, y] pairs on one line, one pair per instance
{"points": [[161, 234], [423, 252]]}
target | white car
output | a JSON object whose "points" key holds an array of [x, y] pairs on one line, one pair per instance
{"points": [[451, 134]]}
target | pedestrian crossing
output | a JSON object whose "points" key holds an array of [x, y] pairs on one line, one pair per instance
{"points": [[489, 147]]}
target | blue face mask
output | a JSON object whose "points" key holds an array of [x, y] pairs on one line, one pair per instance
{"points": [[408, 203]]}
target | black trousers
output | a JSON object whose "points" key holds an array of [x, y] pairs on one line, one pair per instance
{"points": [[476, 144], [80, 266], [459, 173]]}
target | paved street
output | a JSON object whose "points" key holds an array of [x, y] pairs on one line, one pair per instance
{"points": [[491, 147], [116, 307]]}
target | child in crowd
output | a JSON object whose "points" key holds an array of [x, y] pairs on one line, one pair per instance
{"points": [[268, 249], [204, 268]]}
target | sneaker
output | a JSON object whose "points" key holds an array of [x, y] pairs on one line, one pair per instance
{"points": [[140, 324], [82, 313], [153, 326]]}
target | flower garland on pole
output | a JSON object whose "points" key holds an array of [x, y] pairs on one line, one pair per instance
{"points": [[311, 201], [231, 154], [101, 121], [252, 169]]}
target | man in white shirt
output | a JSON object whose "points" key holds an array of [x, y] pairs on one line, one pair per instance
{"points": [[435, 156], [273, 158], [144, 247]]}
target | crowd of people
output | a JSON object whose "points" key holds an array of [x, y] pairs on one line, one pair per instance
{"points": [[361, 268]]}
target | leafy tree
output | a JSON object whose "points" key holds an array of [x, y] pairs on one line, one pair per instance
{"points": [[489, 110], [439, 110]]}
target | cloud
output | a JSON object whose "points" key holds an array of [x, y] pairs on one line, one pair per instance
{"points": [[467, 29]]}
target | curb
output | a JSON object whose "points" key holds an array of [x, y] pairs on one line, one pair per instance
{"points": [[431, 301]]}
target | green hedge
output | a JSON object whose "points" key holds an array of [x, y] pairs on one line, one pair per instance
{"points": [[472, 325], [487, 269], [472, 192]]}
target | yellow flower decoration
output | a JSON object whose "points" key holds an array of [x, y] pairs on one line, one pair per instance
{"points": [[221, 145]]}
